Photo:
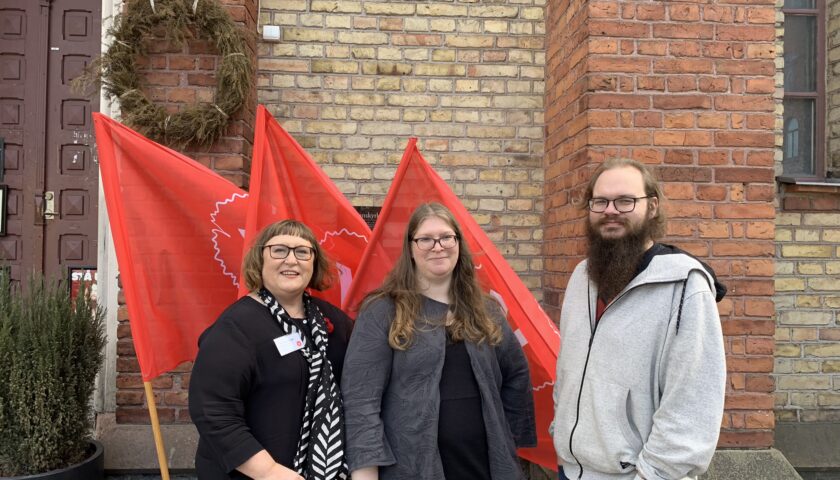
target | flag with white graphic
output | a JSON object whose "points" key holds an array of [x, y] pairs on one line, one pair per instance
{"points": [[415, 183], [287, 184], [177, 233]]}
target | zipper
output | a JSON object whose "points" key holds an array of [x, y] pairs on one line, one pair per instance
{"points": [[580, 394], [586, 365], [589, 351]]}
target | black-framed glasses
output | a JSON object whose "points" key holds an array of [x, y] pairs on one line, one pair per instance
{"points": [[279, 251], [621, 204], [428, 243]]}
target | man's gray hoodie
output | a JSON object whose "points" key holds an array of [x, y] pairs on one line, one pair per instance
{"points": [[641, 391]]}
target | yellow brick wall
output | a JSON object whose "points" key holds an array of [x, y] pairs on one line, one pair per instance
{"points": [[352, 81], [807, 298], [808, 326]]}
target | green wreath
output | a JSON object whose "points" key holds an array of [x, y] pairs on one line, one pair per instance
{"points": [[175, 20]]}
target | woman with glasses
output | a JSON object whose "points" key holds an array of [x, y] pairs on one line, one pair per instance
{"points": [[264, 390], [435, 384]]}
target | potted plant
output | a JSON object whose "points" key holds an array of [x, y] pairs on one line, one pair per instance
{"points": [[51, 348]]}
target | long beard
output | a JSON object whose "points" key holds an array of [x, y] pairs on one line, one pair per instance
{"points": [[613, 261]]}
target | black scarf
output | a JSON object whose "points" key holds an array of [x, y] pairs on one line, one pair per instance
{"points": [[320, 450]]}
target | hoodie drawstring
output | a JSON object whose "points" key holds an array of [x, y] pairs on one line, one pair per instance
{"points": [[682, 299]]}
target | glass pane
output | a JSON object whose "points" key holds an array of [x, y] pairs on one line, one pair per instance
{"points": [[800, 4], [800, 53], [799, 136]]}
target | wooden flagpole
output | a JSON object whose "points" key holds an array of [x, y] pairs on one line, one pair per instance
{"points": [[161, 452]]}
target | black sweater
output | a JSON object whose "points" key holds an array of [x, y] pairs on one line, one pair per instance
{"points": [[245, 396]]}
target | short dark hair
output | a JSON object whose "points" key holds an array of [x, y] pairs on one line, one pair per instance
{"points": [[651, 185], [252, 264]]}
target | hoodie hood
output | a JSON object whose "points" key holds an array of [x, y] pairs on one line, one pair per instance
{"points": [[652, 271]]}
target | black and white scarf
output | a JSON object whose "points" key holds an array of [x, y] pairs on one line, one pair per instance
{"points": [[320, 450]]}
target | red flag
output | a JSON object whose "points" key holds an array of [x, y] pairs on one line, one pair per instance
{"points": [[415, 183], [177, 231], [290, 185]]}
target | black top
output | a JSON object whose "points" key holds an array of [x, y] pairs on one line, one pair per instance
{"points": [[245, 396], [462, 438]]}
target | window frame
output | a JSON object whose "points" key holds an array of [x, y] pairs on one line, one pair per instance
{"points": [[819, 148]]}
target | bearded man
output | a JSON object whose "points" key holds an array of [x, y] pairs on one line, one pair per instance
{"points": [[641, 374]]}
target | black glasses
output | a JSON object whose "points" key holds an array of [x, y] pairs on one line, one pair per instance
{"points": [[279, 251], [622, 204], [428, 243]]}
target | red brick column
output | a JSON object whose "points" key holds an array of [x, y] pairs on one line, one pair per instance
{"points": [[689, 88], [567, 162], [177, 77]]}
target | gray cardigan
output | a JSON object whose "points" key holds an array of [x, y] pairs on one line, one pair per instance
{"points": [[391, 397]]}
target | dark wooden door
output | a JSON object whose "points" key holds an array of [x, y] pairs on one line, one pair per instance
{"points": [[49, 163]]}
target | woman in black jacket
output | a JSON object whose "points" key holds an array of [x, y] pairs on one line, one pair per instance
{"points": [[264, 390]]}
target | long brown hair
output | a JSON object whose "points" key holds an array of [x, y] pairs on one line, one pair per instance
{"points": [[471, 320], [252, 264]]}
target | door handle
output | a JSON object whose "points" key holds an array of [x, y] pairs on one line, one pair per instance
{"points": [[44, 207], [49, 205]]}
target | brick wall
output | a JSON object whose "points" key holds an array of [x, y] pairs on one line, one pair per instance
{"points": [[687, 87], [567, 157], [832, 86], [807, 296], [353, 80], [177, 77], [807, 301]]}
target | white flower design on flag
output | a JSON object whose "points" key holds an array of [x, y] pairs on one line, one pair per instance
{"points": [[345, 273], [227, 234]]}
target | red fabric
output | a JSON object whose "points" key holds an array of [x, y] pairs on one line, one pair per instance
{"points": [[600, 306], [176, 228], [290, 185], [416, 182]]}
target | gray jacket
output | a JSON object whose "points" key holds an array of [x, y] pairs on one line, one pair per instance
{"points": [[642, 390], [391, 397]]}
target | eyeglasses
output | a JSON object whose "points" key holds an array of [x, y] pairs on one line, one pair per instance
{"points": [[428, 243], [279, 251], [622, 204]]}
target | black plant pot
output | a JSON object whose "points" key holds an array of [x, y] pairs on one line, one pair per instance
{"points": [[91, 468]]}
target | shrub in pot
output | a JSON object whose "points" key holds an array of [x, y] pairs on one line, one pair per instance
{"points": [[51, 348]]}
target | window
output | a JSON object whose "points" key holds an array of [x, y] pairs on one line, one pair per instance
{"points": [[804, 100]]}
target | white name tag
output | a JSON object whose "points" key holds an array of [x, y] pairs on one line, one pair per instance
{"points": [[288, 343]]}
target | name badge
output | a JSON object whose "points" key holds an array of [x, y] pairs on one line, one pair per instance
{"points": [[288, 343]]}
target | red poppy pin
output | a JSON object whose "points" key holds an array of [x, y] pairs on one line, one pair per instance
{"points": [[330, 326]]}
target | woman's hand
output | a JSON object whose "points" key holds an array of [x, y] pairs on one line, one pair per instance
{"points": [[367, 473], [263, 467], [279, 472]]}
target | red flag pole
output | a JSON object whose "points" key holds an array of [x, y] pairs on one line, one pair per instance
{"points": [[161, 453]]}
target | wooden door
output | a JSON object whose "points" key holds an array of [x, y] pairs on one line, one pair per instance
{"points": [[49, 166]]}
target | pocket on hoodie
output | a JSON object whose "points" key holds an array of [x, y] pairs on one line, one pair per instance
{"points": [[564, 413], [604, 438]]}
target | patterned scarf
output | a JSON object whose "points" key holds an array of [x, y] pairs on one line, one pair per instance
{"points": [[320, 450]]}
